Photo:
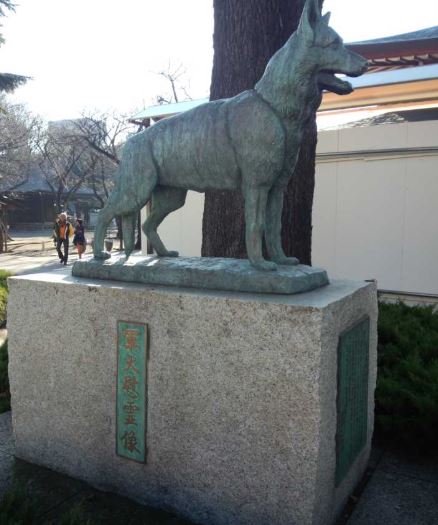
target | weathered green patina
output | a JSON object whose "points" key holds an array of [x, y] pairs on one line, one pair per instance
{"points": [[352, 405], [131, 390], [249, 142]]}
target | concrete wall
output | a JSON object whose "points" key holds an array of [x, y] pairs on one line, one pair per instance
{"points": [[375, 214]]}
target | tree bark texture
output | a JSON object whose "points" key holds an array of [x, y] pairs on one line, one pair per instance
{"points": [[246, 34]]}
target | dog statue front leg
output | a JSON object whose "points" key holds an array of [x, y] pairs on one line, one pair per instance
{"points": [[274, 211], [255, 213]]}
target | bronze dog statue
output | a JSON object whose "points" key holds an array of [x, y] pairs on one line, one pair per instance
{"points": [[249, 142]]}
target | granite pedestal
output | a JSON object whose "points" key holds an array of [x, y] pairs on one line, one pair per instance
{"points": [[241, 394]]}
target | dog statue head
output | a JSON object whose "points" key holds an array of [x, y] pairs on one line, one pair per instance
{"points": [[313, 51], [326, 50]]}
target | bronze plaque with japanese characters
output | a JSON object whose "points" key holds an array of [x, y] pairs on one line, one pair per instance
{"points": [[131, 390]]}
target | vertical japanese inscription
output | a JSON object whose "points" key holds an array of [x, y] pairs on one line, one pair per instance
{"points": [[352, 402], [131, 390]]}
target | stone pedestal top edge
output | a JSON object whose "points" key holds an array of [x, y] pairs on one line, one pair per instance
{"points": [[316, 299]]}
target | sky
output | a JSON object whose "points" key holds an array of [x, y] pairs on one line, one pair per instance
{"points": [[104, 55]]}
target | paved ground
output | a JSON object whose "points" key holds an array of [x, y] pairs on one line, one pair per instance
{"points": [[29, 252], [398, 492]]}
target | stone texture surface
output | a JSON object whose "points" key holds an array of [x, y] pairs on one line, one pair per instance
{"points": [[212, 273], [241, 394], [53, 495], [7, 445]]}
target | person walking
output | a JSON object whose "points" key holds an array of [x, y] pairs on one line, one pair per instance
{"points": [[62, 232], [79, 239]]}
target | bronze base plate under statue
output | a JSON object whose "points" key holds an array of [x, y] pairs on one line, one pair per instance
{"points": [[207, 273]]}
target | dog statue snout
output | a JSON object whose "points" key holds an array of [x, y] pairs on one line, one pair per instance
{"points": [[361, 68]]}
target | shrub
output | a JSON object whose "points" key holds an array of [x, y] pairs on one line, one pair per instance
{"points": [[3, 295], [16, 508], [407, 381], [4, 274]]}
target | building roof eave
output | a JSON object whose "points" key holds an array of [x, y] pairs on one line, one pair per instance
{"points": [[166, 110], [395, 48]]}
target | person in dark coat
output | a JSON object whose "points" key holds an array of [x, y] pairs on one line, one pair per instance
{"points": [[79, 238]]}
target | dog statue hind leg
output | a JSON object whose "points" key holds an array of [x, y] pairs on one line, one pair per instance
{"points": [[165, 200], [128, 229]]}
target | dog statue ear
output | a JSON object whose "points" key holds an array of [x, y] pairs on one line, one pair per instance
{"points": [[309, 19], [326, 18]]}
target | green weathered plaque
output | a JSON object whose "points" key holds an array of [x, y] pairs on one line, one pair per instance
{"points": [[352, 403], [131, 390]]}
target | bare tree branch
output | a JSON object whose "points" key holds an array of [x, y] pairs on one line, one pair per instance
{"points": [[18, 130], [174, 77]]}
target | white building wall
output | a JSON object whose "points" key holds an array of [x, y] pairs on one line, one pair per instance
{"points": [[377, 217], [182, 229], [373, 217]]}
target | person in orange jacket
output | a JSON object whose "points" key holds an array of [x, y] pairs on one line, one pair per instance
{"points": [[62, 232]]}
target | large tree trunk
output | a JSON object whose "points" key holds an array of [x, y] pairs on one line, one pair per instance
{"points": [[246, 35]]}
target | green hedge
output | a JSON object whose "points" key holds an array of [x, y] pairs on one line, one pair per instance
{"points": [[16, 508], [407, 381], [3, 295]]}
